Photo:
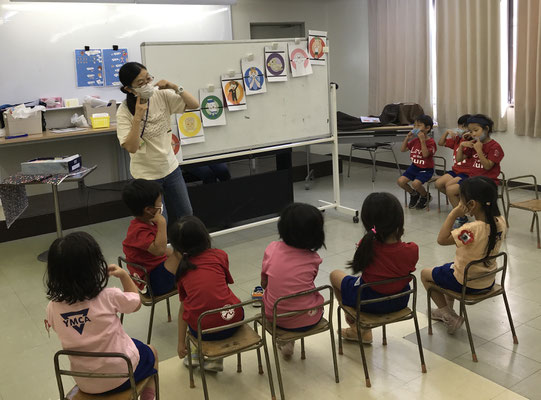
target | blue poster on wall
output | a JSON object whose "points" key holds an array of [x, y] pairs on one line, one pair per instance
{"points": [[89, 66], [112, 61]]}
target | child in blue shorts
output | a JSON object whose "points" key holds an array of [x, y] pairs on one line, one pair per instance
{"points": [[422, 149], [380, 255]]}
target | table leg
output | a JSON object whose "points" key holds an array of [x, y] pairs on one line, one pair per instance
{"points": [[43, 256]]}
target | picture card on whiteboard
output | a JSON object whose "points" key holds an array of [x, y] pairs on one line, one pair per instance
{"points": [[89, 67], [299, 59], [212, 107], [254, 78], [233, 87], [317, 43], [175, 144], [190, 128], [275, 63]]}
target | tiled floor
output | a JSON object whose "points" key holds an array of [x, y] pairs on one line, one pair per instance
{"points": [[504, 370]]}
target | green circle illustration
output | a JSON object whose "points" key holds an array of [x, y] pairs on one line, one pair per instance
{"points": [[212, 107]]}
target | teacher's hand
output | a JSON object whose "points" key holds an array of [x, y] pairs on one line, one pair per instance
{"points": [[141, 108], [163, 84]]}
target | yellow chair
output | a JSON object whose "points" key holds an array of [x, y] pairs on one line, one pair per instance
{"points": [[369, 321], [470, 299], [147, 298], [76, 394], [245, 339], [532, 205]]}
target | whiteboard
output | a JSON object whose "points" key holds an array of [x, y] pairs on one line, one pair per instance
{"points": [[290, 111], [38, 41]]}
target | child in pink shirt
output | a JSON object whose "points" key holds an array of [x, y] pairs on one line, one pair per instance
{"points": [[83, 313], [290, 266]]}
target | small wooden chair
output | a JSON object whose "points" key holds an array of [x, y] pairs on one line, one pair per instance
{"points": [[441, 163], [532, 205], [370, 321], [470, 299], [148, 298], [501, 195], [282, 335], [76, 394], [245, 339]]}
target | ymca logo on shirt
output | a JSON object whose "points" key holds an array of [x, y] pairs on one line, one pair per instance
{"points": [[76, 319]]}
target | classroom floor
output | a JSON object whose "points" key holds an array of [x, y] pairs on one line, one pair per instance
{"points": [[504, 370]]}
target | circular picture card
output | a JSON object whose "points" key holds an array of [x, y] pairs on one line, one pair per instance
{"points": [[212, 107], [234, 92], [254, 79], [275, 64], [189, 124], [316, 47]]}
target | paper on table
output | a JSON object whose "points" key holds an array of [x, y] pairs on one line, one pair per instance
{"points": [[67, 130]]}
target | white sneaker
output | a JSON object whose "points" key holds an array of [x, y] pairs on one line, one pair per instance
{"points": [[195, 361], [214, 366], [287, 349], [437, 314], [453, 322]]}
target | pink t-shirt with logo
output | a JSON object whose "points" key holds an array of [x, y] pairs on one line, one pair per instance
{"points": [[290, 270], [93, 325]]}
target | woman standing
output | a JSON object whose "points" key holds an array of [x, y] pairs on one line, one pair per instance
{"points": [[144, 130]]}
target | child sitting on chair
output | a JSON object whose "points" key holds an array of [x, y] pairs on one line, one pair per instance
{"points": [[146, 240], [380, 255], [203, 278], [422, 149], [473, 241], [290, 266], [83, 313]]}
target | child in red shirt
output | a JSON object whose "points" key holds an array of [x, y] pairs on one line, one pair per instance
{"points": [[146, 240], [422, 149], [202, 277], [380, 255]]}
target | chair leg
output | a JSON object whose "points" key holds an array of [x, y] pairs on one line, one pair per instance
{"points": [[350, 155], [269, 371], [168, 310], [259, 365], [339, 314], [277, 365], [537, 228], [429, 314], [515, 339], [419, 344], [428, 194], [303, 354], [395, 160], [533, 221], [239, 363], [157, 385], [150, 322], [333, 350], [190, 366], [384, 331], [121, 318], [439, 201], [372, 156], [203, 375], [363, 357], [468, 329]]}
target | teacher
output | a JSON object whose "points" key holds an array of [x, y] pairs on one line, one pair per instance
{"points": [[144, 130]]}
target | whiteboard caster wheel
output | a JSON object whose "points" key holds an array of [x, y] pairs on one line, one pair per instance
{"points": [[355, 219]]}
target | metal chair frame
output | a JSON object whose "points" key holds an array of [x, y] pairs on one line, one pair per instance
{"points": [[148, 299], [522, 185], [128, 375], [198, 341], [471, 299], [360, 324], [440, 162], [372, 149]]}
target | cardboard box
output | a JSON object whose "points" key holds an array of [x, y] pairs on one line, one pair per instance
{"points": [[20, 126], [110, 109], [51, 165]]}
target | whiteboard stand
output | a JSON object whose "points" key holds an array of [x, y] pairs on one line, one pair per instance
{"points": [[335, 204]]}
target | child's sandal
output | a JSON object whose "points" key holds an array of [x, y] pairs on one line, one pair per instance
{"points": [[351, 335]]}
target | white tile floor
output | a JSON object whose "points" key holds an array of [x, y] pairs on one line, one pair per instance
{"points": [[504, 371]]}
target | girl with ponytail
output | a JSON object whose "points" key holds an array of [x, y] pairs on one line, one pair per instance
{"points": [[202, 278], [380, 255], [474, 241]]}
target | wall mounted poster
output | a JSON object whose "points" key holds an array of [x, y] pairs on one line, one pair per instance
{"points": [[233, 87], [317, 42], [89, 67], [212, 107], [275, 63], [190, 128], [175, 144], [299, 59], [112, 61], [254, 79]]}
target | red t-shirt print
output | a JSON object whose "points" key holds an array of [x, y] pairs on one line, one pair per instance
{"points": [[493, 152], [462, 167], [416, 154]]}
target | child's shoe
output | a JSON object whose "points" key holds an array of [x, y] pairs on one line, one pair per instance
{"points": [[453, 322], [195, 360], [437, 314], [351, 334], [214, 366], [414, 198], [423, 202], [459, 222], [257, 294], [287, 349]]}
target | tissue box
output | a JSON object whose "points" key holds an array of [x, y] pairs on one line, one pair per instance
{"points": [[111, 110], [19, 126], [51, 165]]}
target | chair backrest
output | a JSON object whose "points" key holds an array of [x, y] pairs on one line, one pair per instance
{"points": [[502, 185], [141, 279], [83, 374], [292, 313], [502, 269], [412, 290], [517, 183], [440, 164]]}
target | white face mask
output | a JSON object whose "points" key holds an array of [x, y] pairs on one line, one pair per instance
{"points": [[145, 91]]}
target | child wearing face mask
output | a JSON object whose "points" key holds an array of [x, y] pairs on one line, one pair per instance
{"points": [[474, 241], [452, 140], [481, 154], [146, 240], [422, 148]]}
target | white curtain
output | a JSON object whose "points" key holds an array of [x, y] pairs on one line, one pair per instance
{"points": [[528, 73], [468, 60], [398, 53]]}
